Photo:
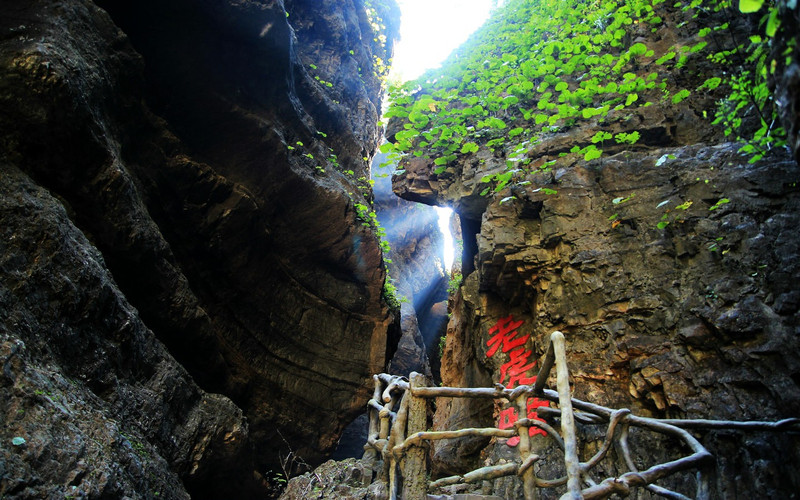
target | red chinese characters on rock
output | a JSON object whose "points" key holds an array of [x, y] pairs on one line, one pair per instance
{"points": [[504, 337]]}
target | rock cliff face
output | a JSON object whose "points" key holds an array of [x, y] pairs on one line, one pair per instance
{"points": [[185, 293], [696, 321], [672, 269]]}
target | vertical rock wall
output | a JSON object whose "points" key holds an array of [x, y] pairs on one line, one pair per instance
{"points": [[695, 321], [185, 294]]}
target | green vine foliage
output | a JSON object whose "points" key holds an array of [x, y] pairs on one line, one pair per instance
{"points": [[749, 97], [539, 67]]}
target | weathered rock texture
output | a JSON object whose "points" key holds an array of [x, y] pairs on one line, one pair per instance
{"points": [[698, 319], [349, 479], [183, 286], [102, 407]]}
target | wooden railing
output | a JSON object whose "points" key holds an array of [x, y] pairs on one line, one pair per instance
{"points": [[398, 437]]}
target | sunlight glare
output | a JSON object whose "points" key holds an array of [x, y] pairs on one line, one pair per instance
{"points": [[431, 29], [445, 213]]}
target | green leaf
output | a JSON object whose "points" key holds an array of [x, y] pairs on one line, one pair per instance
{"points": [[698, 47], [749, 6], [719, 203], [601, 136], [591, 154], [662, 224], [680, 96], [406, 135], [442, 160], [666, 57], [418, 117], [712, 83], [632, 98], [515, 132], [627, 138], [773, 23], [502, 180], [469, 147], [617, 201], [638, 49], [495, 123], [439, 170]]}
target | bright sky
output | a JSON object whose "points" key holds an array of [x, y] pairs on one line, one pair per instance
{"points": [[431, 29]]}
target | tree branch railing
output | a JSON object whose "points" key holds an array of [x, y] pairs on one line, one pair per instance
{"points": [[399, 437]]}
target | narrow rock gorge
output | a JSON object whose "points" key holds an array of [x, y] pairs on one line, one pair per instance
{"points": [[196, 288], [416, 264]]}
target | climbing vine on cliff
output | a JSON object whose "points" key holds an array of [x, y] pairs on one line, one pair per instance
{"points": [[543, 67], [749, 95]]}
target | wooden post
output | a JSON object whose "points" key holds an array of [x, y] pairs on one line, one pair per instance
{"points": [[397, 435], [370, 453], [571, 459], [524, 447], [415, 481], [389, 466]]}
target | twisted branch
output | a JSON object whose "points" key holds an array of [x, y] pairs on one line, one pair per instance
{"points": [[394, 445]]}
